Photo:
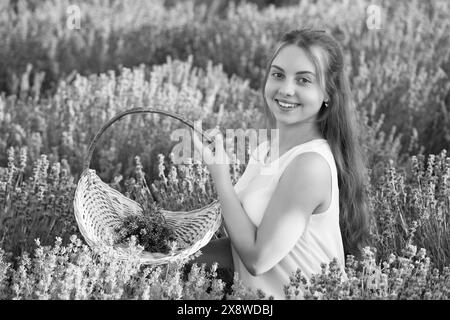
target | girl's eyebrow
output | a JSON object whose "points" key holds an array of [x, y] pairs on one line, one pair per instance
{"points": [[299, 72]]}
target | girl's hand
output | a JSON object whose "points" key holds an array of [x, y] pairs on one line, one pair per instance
{"points": [[218, 160]]}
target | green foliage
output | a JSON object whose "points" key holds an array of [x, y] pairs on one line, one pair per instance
{"points": [[63, 125], [408, 207], [150, 231], [407, 276], [38, 205], [76, 271], [400, 69], [413, 204]]}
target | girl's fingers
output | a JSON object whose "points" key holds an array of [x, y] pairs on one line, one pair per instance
{"points": [[229, 140], [205, 153], [222, 156], [196, 140], [213, 132], [211, 152], [218, 136]]}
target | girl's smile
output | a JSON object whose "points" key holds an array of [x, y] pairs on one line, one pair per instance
{"points": [[287, 106]]}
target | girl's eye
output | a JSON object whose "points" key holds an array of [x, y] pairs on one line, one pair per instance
{"points": [[277, 75], [304, 80]]}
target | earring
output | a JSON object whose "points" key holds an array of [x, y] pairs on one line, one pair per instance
{"points": [[326, 104]]}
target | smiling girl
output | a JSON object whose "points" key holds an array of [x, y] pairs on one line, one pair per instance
{"points": [[313, 208]]}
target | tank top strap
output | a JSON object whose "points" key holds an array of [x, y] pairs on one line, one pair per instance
{"points": [[311, 146]]}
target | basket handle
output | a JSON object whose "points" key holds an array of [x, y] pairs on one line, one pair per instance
{"points": [[117, 117]]}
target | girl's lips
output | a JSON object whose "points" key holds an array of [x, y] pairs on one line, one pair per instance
{"points": [[296, 105], [284, 101]]}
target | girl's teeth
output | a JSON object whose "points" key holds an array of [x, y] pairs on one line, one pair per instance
{"points": [[287, 105]]}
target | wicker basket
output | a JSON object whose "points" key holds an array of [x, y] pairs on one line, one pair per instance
{"points": [[100, 208]]}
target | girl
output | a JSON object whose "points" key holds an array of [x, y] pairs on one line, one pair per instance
{"points": [[313, 207]]}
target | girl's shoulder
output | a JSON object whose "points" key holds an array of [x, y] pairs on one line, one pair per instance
{"points": [[311, 162]]}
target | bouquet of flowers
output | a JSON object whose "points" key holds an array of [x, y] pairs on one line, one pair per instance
{"points": [[149, 229]]}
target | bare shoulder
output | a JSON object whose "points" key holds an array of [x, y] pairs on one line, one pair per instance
{"points": [[309, 165], [310, 176]]}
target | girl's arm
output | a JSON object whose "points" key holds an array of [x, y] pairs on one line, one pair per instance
{"points": [[286, 215]]}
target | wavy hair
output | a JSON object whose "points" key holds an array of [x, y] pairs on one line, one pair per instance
{"points": [[339, 125]]}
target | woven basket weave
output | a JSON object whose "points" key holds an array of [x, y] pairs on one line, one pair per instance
{"points": [[99, 209]]}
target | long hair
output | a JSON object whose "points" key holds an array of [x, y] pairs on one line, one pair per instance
{"points": [[338, 123]]}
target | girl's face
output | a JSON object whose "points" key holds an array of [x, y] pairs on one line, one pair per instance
{"points": [[292, 90]]}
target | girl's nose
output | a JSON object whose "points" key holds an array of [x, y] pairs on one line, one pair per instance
{"points": [[287, 89]]}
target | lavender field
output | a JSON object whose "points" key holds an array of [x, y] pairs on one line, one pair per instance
{"points": [[67, 67]]}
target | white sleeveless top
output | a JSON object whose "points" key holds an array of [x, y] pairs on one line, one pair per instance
{"points": [[321, 240]]}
